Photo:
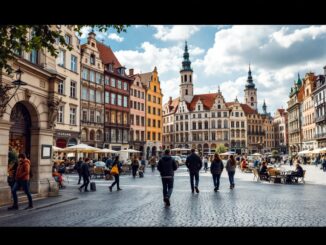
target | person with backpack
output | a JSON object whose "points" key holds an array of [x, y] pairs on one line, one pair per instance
{"points": [[115, 171], [194, 164], [166, 166], [86, 175], [134, 166], [22, 180], [216, 171], [230, 167], [77, 167]]}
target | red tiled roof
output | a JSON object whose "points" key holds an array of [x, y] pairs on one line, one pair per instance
{"points": [[247, 109], [107, 56], [207, 100]]}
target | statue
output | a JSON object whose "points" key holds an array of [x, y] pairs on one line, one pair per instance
{"points": [[53, 104]]}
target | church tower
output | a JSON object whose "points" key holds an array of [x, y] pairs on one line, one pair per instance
{"points": [[250, 92], [186, 85]]}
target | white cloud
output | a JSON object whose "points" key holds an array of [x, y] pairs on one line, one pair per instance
{"points": [[175, 33], [85, 30], [115, 37], [286, 40], [170, 88]]}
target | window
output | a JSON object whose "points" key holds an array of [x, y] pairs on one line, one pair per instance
{"points": [[98, 117], [219, 124], [33, 57], [154, 88], [154, 123], [61, 58], [242, 125], [154, 99], [98, 78], [186, 91], [154, 136], [125, 101], [237, 124], [225, 114], [193, 125], [113, 117], [112, 82], [92, 95], [85, 74], [60, 114], [137, 120], [68, 39], [119, 115], [213, 124], [206, 124], [92, 116], [107, 80], [138, 105], [159, 112], [84, 93], [73, 63], [61, 86], [225, 124], [98, 97], [73, 89], [198, 108], [232, 124], [159, 100], [142, 121], [98, 135], [113, 98], [237, 114], [119, 100], [113, 135], [148, 122], [84, 116], [142, 107], [125, 86], [148, 135], [92, 76], [158, 123], [107, 97], [159, 136], [149, 110], [92, 59], [142, 95], [219, 114], [72, 116], [154, 110], [119, 84]]}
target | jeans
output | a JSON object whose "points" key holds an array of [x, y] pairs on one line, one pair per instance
{"points": [[80, 176], [86, 182], [216, 180], [192, 176], [231, 177], [134, 170], [167, 187], [153, 168], [25, 185], [116, 181]]}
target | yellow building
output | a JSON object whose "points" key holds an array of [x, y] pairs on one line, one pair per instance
{"points": [[154, 120]]}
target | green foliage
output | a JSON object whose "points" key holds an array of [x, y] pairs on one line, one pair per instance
{"points": [[12, 157], [221, 148], [14, 39]]}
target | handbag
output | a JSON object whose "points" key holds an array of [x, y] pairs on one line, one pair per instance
{"points": [[114, 170]]}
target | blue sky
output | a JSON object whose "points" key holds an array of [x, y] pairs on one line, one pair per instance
{"points": [[220, 55]]}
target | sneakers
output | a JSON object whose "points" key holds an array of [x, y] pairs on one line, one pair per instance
{"points": [[167, 201], [119, 189], [110, 187], [215, 189], [192, 190], [197, 190], [13, 208], [232, 186]]}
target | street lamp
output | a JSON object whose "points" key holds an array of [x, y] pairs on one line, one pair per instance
{"points": [[4, 88]]}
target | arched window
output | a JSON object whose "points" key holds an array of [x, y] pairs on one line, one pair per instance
{"points": [[198, 107], [98, 135], [225, 123], [185, 78], [186, 91], [92, 59], [200, 125], [213, 124], [219, 124], [92, 135], [206, 124]]}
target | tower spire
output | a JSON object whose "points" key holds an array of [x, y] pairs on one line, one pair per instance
{"points": [[264, 108], [186, 63], [219, 91]]}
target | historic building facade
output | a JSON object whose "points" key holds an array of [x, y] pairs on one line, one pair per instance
{"points": [[117, 104], [319, 97], [92, 94], [308, 113], [137, 113], [154, 113], [295, 117], [68, 65], [169, 111], [280, 123], [27, 121]]}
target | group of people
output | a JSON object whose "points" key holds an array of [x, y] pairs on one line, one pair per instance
{"points": [[167, 165], [19, 175]]}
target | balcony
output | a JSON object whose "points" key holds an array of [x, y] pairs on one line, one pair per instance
{"points": [[256, 133], [89, 123], [320, 119], [116, 125], [293, 131], [320, 136]]}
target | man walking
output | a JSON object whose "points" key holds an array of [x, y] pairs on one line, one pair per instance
{"points": [[194, 164], [166, 166], [22, 180], [86, 174], [78, 169]]}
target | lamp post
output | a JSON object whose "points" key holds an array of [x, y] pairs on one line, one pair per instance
{"points": [[4, 88]]}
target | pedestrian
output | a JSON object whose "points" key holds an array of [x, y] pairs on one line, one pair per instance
{"points": [[115, 171], [216, 171], [166, 166], [152, 162], [12, 167], [134, 166], [324, 163], [194, 164], [77, 167], [22, 180], [143, 163], [86, 175], [205, 160], [230, 167], [108, 162]]}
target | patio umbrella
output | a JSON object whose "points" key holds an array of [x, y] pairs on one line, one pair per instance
{"points": [[106, 151], [130, 151], [228, 153], [316, 151], [55, 148], [304, 152], [81, 148], [256, 154], [180, 149]]}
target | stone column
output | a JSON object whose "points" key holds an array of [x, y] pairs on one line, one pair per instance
{"points": [[5, 195]]}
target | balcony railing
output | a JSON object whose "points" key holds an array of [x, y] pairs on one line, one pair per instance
{"points": [[320, 136], [293, 131], [320, 119], [256, 133]]}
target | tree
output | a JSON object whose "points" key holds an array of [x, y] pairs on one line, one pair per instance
{"points": [[14, 39], [221, 148]]}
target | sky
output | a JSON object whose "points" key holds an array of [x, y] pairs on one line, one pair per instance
{"points": [[220, 56]]}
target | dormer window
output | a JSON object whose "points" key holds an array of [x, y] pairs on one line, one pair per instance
{"points": [[198, 107], [93, 45], [110, 67], [92, 59]]}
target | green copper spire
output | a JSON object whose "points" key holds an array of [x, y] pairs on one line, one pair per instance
{"points": [[186, 63], [299, 82], [264, 108], [236, 99], [250, 83]]}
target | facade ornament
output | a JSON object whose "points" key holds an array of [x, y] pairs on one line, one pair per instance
{"points": [[53, 105], [28, 94]]}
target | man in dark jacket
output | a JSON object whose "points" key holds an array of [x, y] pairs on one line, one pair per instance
{"points": [[78, 169], [194, 164], [86, 174], [166, 166]]}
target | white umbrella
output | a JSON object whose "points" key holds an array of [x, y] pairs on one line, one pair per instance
{"points": [[180, 149], [106, 151], [81, 148], [130, 151], [55, 148], [304, 152], [256, 154], [316, 151], [227, 153]]}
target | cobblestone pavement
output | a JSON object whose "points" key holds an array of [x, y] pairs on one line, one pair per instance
{"points": [[140, 203]]}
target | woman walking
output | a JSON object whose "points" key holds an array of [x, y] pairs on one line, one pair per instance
{"points": [[135, 166], [230, 167], [115, 171], [216, 171]]}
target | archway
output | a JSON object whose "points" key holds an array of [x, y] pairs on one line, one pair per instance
{"points": [[72, 141]]}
